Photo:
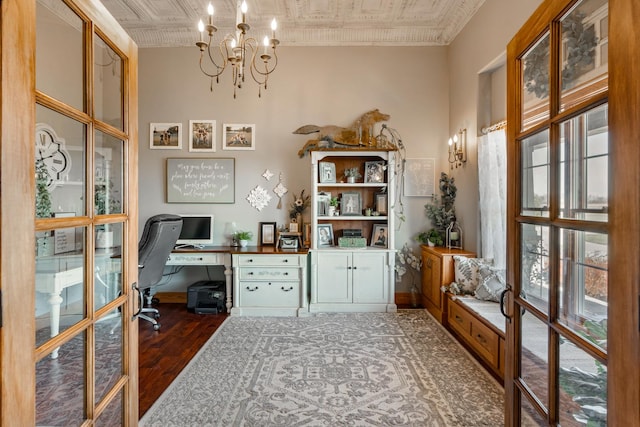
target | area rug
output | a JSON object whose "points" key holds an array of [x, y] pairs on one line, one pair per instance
{"points": [[355, 369]]}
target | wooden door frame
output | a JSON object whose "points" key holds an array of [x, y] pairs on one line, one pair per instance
{"points": [[623, 354], [17, 171]]}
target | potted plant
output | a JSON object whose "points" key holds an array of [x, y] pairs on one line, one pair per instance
{"points": [[431, 238], [352, 174], [105, 203], [443, 213], [43, 208], [333, 205], [243, 237]]}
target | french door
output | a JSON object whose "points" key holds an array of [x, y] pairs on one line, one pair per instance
{"points": [[572, 333], [69, 150]]}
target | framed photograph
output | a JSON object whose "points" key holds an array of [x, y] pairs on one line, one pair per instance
{"points": [[267, 233], [374, 171], [165, 136], [381, 203], [238, 137], [350, 203], [379, 235], [323, 203], [64, 239], [325, 235], [202, 136], [327, 172], [419, 177]]}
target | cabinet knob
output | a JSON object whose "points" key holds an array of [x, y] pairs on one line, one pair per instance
{"points": [[285, 260], [250, 260], [286, 273], [355, 268], [250, 273]]}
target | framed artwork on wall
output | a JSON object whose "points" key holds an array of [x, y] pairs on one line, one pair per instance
{"points": [[419, 177], [202, 136], [165, 136], [238, 137]]}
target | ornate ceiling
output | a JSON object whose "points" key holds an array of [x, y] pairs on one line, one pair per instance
{"points": [[172, 23]]}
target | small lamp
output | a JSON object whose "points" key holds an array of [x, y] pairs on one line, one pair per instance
{"points": [[454, 235]]}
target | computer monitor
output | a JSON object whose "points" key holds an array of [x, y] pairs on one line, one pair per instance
{"points": [[197, 230]]}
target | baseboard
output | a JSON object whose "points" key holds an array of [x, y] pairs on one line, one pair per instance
{"points": [[172, 297]]}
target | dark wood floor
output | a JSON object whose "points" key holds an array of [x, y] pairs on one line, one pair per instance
{"points": [[164, 353]]}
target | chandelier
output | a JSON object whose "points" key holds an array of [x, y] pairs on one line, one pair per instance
{"points": [[238, 51]]}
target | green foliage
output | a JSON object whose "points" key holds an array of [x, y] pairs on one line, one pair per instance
{"points": [[243, 235], [333, 201], [352, 172], [580, 43], [103, 198], [441, 214], [43, 200], [432, 236]]}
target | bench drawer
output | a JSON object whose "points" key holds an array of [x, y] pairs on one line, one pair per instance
{"points": [[459, 318], [485, 341]]}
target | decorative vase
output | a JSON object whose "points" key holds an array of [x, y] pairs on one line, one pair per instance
{"points": [[244, 243], [414, 294], [332, 210], [430, 243], [351, 179], [299, 221]]}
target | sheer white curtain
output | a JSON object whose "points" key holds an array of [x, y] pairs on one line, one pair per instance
{"points": [[492, 180]]}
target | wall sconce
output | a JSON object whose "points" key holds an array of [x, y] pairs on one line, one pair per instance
{"points": [[458, 148]]}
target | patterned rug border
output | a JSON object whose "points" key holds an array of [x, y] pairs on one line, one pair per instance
{"points": [[419, 315]]}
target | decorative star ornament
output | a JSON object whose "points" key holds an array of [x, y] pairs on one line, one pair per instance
{"points": [[267, 175], [259, 198]]}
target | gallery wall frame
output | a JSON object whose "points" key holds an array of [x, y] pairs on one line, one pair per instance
{"points": [[238, 136], [200, 180], [202, 136], [419, 177], [165, 136]]}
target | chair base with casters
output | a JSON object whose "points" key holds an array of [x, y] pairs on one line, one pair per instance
{"points": [[158, 240]]}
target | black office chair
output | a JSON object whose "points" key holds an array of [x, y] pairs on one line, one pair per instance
{"points": [[158, 239]]}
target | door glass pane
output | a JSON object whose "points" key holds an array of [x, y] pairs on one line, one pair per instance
{"points": [[535, 175], [583, 52], [584, 170], [108, 355], [534, 357], [583, 387], [60, 285], [529, 416], [60, 164], [535, 85], [535, 265], [59, 56], [60, 385], [108, 174], [108, 270], [584, 285], [112, 415], [107, 84]]}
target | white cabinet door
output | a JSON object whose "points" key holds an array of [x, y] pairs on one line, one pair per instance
{"points": [[370, 278], [333, 277]]}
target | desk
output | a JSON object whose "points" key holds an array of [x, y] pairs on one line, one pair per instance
{"points": [[221, 255], [209, 255]]}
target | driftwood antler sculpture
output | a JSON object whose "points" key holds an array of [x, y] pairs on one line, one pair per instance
{"points": [[360, 133]]}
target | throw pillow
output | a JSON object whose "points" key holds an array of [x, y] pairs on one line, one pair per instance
{"points": [[491, 285], [467, 272]]}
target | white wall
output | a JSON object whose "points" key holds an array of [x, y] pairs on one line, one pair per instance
{"points": [[484, 38], [311, 86]]}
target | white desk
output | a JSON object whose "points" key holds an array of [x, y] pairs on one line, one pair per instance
{"points": [[210, 255]]}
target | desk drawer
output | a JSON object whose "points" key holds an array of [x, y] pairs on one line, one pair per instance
{"points": [[196, 258], [269, 294], [266, 273], [270, 260]]}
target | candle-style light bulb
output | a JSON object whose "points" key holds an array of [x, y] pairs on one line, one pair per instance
{"points": [[201, 29], [233, 43], [274, 27], [210, 12], [243, 8], [450, 142], [265, 42], [455, 138]]}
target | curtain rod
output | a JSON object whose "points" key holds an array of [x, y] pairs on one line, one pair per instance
{"points": [[494, 127]]}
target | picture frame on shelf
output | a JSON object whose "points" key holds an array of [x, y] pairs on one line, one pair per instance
{"points": [[374, 171], [381, 203], [238, 136], [325, 235], [202, 136], [326, 172], [350, 203], [379, 235], [165, 136], [323, 200], [267, 233]]}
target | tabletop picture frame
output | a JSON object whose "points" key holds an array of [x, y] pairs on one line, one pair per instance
{"points": [[267, 233], [327, 172], [350, 204], [380, 235], [381, 203], [325, 235], [374, 171]]}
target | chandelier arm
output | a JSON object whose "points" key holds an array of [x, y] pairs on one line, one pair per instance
{"points": [[220, 69], [267, 71]]}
